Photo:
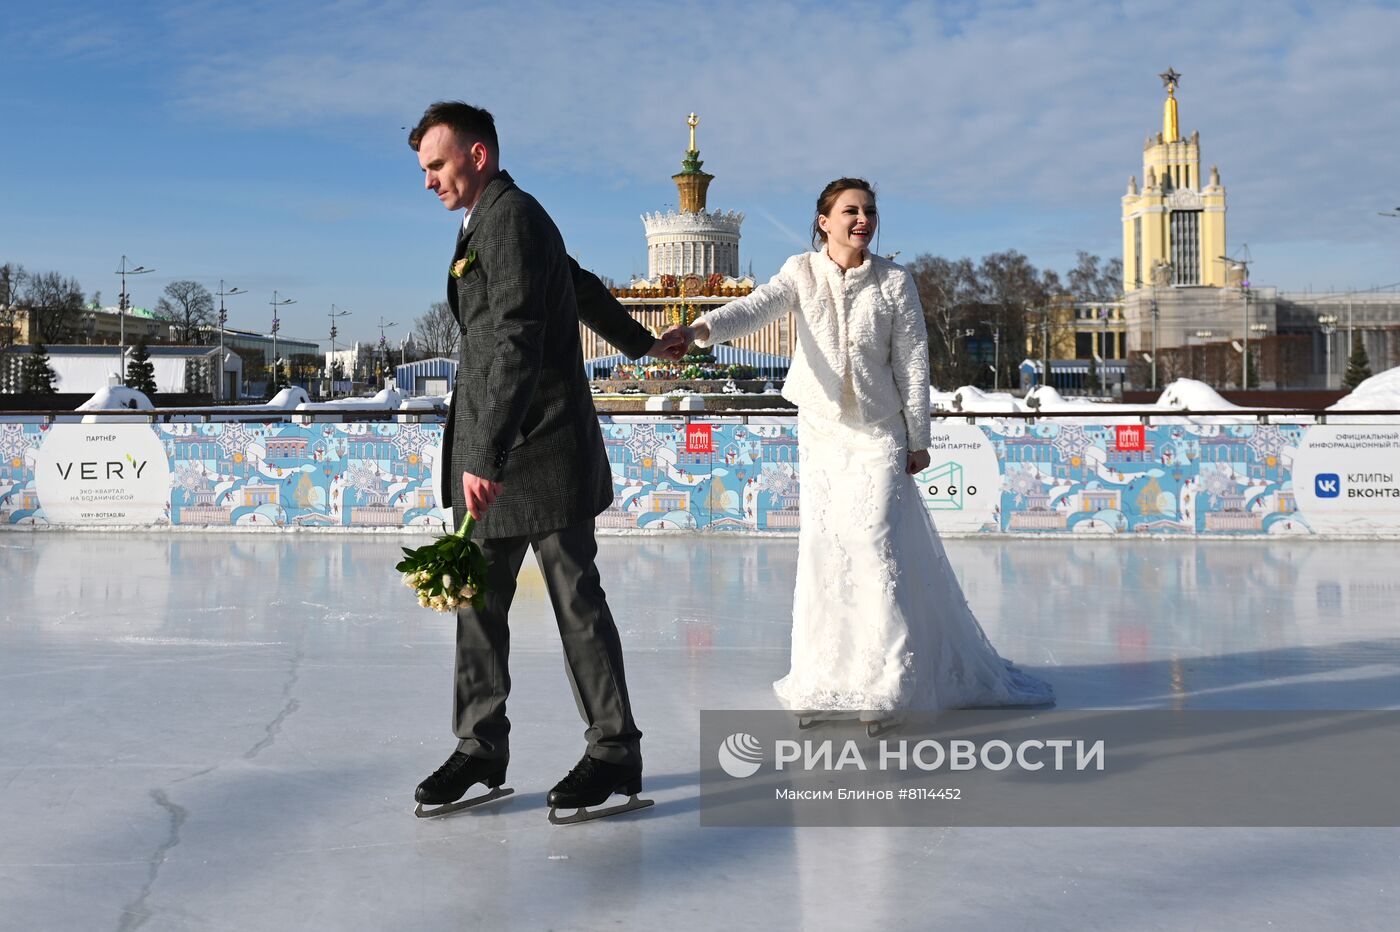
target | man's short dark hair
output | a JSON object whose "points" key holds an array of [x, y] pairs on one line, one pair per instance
{"points": [[470, 124]]}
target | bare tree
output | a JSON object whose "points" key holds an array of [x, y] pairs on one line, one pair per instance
{"points": [[947, 289], [189, 307], [1092, 279], [437, 331], [55, 305], [12, 278], [1009, 286]]}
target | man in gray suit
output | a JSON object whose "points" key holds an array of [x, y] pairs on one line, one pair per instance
{"points": [[526, 455]]}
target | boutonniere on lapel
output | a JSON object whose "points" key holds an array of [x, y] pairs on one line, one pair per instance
{"points": [[460, 267]]}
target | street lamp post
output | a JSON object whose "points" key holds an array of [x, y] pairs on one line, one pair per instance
{"points": [[1242, 266], [384, 344], [1327, 323], [1152, 299], [333, 314], [1244, 362], [1155, 317], [123, 302], [953, 350], [1045, 345], [276, 325], [996, 354], [223, 321]]}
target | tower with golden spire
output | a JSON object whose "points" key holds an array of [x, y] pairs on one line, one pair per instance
{"points": [[692, 267], [1174, 226], [692, 240]]}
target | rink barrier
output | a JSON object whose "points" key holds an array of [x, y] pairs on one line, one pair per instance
{"points": [[1134, 473]]}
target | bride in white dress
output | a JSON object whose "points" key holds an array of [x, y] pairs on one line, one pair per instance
{"points": [[880, 623]]}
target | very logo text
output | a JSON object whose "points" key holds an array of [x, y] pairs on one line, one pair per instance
{"points": [[112, 469]]}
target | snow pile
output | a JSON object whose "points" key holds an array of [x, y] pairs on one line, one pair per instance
{"points": [[973, 399], [115, 397], [1046, 398], [426, 402], [1377, 392], [288, 399], [386, 400], [1182, 396], [1190, 395]]}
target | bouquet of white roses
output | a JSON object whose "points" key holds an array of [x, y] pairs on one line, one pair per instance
{"points": [[447, 573]]}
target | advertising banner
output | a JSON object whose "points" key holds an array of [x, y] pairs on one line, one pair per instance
{"points": [[998, 476], [92, 474], [962, 484], [1347, 479]]}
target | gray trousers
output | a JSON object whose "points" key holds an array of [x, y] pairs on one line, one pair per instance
{"points": [[592, 650]]}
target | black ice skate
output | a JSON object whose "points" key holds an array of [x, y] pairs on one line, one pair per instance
{"points": [[814, 719], [590, 784], [451, 781], [875, 727]]}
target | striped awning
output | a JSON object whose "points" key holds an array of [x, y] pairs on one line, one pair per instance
{"points": [[724, 354]]}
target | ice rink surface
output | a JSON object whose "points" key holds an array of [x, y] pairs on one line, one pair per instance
{"points": [[223, 731]]}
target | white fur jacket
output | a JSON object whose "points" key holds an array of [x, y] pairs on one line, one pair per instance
{"points": [[862, 348]]}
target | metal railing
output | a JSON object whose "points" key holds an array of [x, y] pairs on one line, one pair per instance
{"points": [[417, 415]]}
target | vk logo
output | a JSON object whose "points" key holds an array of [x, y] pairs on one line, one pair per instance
{"points": [[1328, 485]]}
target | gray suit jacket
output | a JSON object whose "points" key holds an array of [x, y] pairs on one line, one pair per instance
{"points": [[521, 412]]}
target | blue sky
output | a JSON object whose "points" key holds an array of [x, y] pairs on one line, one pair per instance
{"points": [[263, 143]]}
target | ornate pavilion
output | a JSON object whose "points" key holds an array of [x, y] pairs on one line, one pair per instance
{"points": [[692, 266]]}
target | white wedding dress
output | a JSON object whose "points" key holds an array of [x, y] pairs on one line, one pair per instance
{"points": [[880, 624]]}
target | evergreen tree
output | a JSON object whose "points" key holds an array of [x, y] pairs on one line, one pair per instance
{"points": [[38, 373], [1359, 365], [141, 372]]}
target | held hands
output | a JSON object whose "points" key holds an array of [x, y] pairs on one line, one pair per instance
{"points": [[673, 343], [917, 462], [479, 494]]}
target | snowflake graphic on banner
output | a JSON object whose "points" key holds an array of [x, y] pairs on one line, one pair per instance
{"points": [[1022, 482], [780, 480], [1266, 442], [235, 438], [362, 477], [410, 441], [1216, 482], [1072, 441], [14, 442], [189, 476], [643, 443]]}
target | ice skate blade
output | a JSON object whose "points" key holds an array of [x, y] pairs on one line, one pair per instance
{"points": [[877, 729], [585, 814], [459, 805]]}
